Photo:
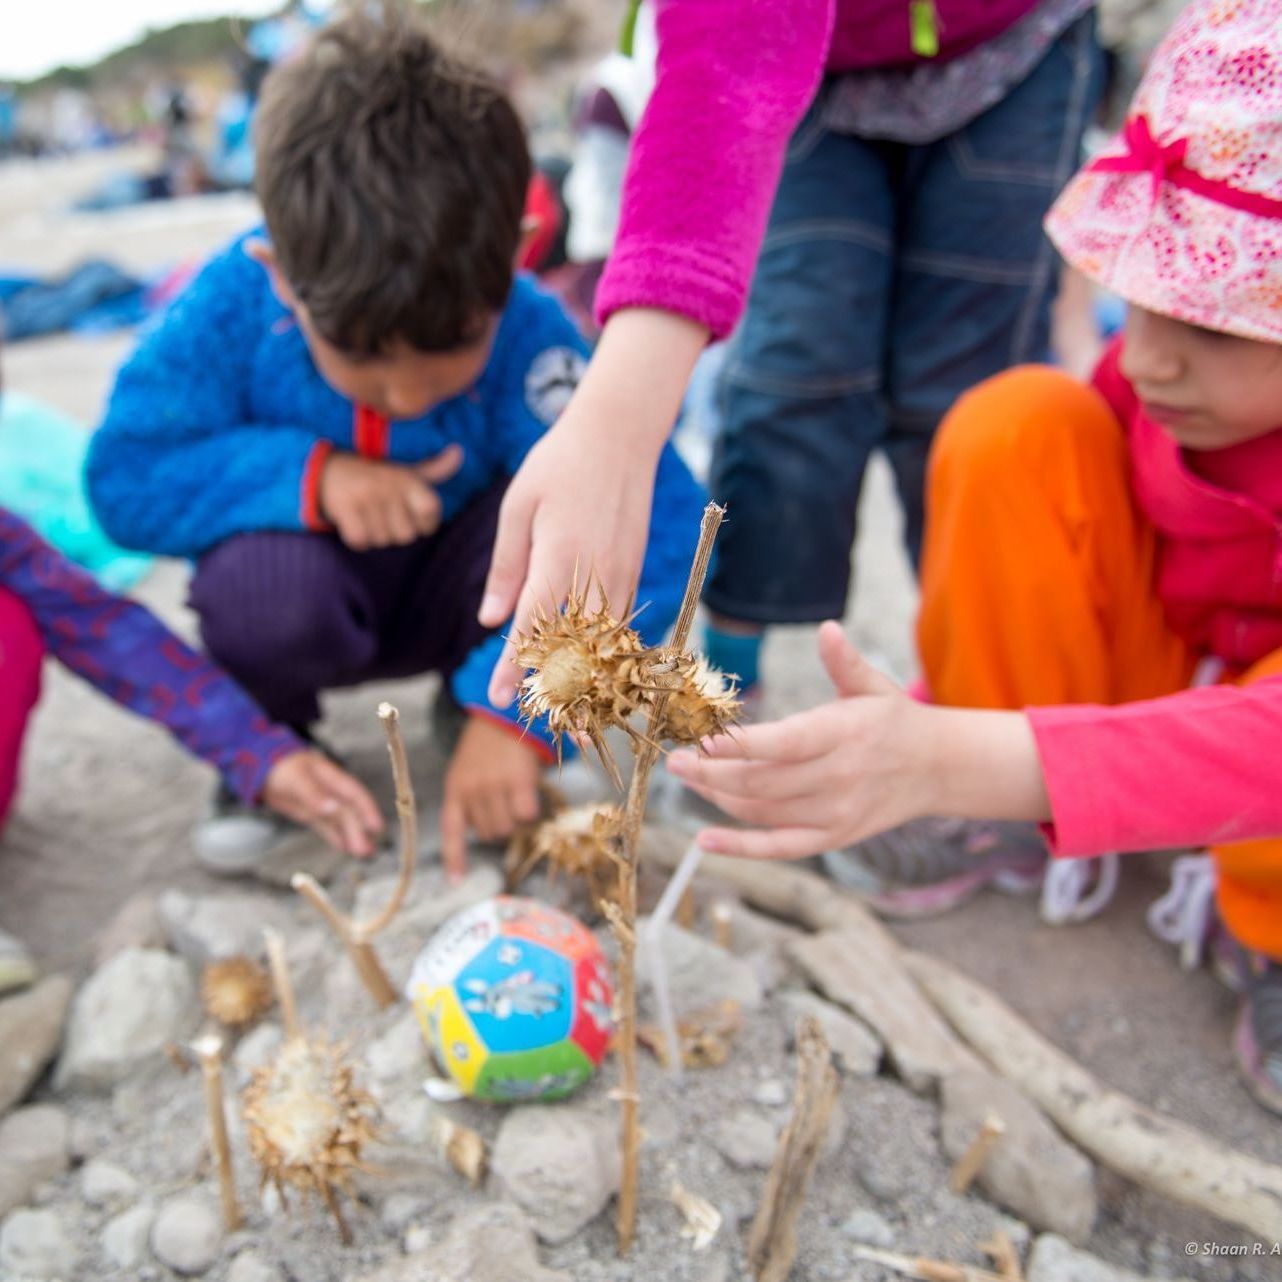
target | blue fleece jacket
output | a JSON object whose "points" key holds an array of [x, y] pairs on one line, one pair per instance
{"points": [[219, 420]]}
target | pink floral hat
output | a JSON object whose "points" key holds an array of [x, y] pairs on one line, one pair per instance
{"points": [[1181, 213]]}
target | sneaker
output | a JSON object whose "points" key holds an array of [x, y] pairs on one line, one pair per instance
{"points": [[233, 838], [17, 967], [1257, 1040], [927, 867]]}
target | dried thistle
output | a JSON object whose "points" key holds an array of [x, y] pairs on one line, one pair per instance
{"points": [[586, 674], [702, 702], [580, 841], [236, 991], [307, 1122]]}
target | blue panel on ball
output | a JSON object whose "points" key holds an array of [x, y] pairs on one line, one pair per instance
{"points": [[518, 995]]}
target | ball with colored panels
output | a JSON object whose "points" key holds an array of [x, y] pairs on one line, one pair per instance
{"points": [[515, 1000]]}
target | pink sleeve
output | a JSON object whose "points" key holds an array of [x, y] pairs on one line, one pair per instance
{"points": [[733, 79], [1197, 768]]}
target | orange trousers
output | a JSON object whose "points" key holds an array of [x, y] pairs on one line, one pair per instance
{"points": [[1038, 578]]}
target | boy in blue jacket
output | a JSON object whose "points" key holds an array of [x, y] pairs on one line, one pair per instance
{"points": [[326, 420]]}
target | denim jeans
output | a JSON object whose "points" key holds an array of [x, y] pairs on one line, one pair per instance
{"points": [[892, 278]]}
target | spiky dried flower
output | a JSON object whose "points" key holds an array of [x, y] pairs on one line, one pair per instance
{"points": [[236, 991], [585, 673], [307, 1121], [580, 841], [702, 703]]}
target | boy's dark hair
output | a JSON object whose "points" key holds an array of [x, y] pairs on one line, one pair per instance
{"points": [[393, 179]]}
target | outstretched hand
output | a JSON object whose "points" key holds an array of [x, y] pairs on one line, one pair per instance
{"points": [[310, 789], [820, 779]]}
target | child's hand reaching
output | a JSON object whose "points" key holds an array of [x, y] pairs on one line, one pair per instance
{"points": [[874, 758], [492, 785], [309, 788], [373, 504]]}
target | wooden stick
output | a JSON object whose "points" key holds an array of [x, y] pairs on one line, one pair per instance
{"points": [[971, 1162], [625, 929], [924, 1268], [1143, 1145], [685, 914], [772, 1245], [722, 916], [1001, 1250], [209, 1050], [355, 936], [283, 984]]}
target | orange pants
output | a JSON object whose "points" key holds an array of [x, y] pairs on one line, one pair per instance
{"points": [[1038, 584]]}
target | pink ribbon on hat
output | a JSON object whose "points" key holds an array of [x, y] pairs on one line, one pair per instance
{"points": [[1164, 162]]}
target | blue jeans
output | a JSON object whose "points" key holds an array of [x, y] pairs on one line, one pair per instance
{"points": [[892, 278]]}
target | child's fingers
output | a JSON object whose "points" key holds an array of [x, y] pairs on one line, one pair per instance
{"points": [[508, 563], [754, 810], [351, 792], [525, 802], [453, 838], [763, 843], [851, 674], [792, 739], [763, 780], [442, 466]]}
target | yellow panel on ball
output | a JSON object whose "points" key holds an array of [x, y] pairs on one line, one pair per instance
{"points": [[447, 1028]]}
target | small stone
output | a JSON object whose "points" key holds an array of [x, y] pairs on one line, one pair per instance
{"points": [[1056, 1260], [187, 1234], [857, 1048], [210, 927], [249, 1266], [746, 1139], [400, 1210], [701, 975], [123, 1018], [303, 852], [33, 1149], [103, 1183], [125, 1237], [866, 1226], [418, 1237], [488, 1243], [37, 1244], [771, 1093], [400, 1053], [256, 1048], [30, 1030], [82, 1139], [559, 1163], [1032, 1170], [136, 925]]}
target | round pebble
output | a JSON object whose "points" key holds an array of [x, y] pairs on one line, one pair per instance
{"points": [[187, 1235]]}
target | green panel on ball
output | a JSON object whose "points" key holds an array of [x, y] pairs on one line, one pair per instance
{"points": [[550, 1072]]}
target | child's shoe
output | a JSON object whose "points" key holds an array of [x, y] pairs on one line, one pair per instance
{"points": [[928, 867], [233, 838], [1257, 1040]]}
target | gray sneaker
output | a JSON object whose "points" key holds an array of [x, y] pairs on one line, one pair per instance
{"points": [[233, 839], [927, 867], [17, 967]]}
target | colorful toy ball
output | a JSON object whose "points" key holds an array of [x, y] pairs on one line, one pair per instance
{"points": [[515, 1000]]}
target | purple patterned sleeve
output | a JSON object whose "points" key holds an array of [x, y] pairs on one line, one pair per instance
{"points": [[130, 656]]}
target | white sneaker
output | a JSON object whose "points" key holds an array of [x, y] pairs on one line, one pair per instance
{"points": [[234, 839]]}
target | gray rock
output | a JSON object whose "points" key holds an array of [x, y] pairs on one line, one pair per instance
{"points": [[700, 974], [136, 925], [30, 1031], [746, 1139], [33, 1149], [866, 1226], [103, 1183], [187, 1234], [1055, 1260], [209, 927], [857, 1048], [435, 899], [399, 1054], [123, 1017], [37, 1244], [125, 1237], [249, 1266], [301, 851], [490, 1243], [256, 1048], [400, 1210], [771, 1093], [559, 1163], [1032, 1170], [418, 1237]]}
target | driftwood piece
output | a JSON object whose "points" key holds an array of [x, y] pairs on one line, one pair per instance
{"points": [[1143, 1145], [924, 1268], [772, 1245], [991, 1129], [861, 968]]}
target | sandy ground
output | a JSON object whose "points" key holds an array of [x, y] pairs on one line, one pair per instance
{"points": [[107, 803]]}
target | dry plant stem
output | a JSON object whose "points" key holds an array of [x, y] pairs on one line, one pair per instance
{"points": [[625, 930], [355, 936], [924, 1268], [283, 984], [722, 916], [772, 1245], [1001, 1250], [972, 1160], [210, 1052]]}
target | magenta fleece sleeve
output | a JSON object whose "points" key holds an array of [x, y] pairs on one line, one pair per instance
{"points": [[733, 79], [1198, 768]]}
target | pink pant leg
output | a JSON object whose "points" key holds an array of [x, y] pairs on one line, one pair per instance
{"points": [[21, 652]]}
